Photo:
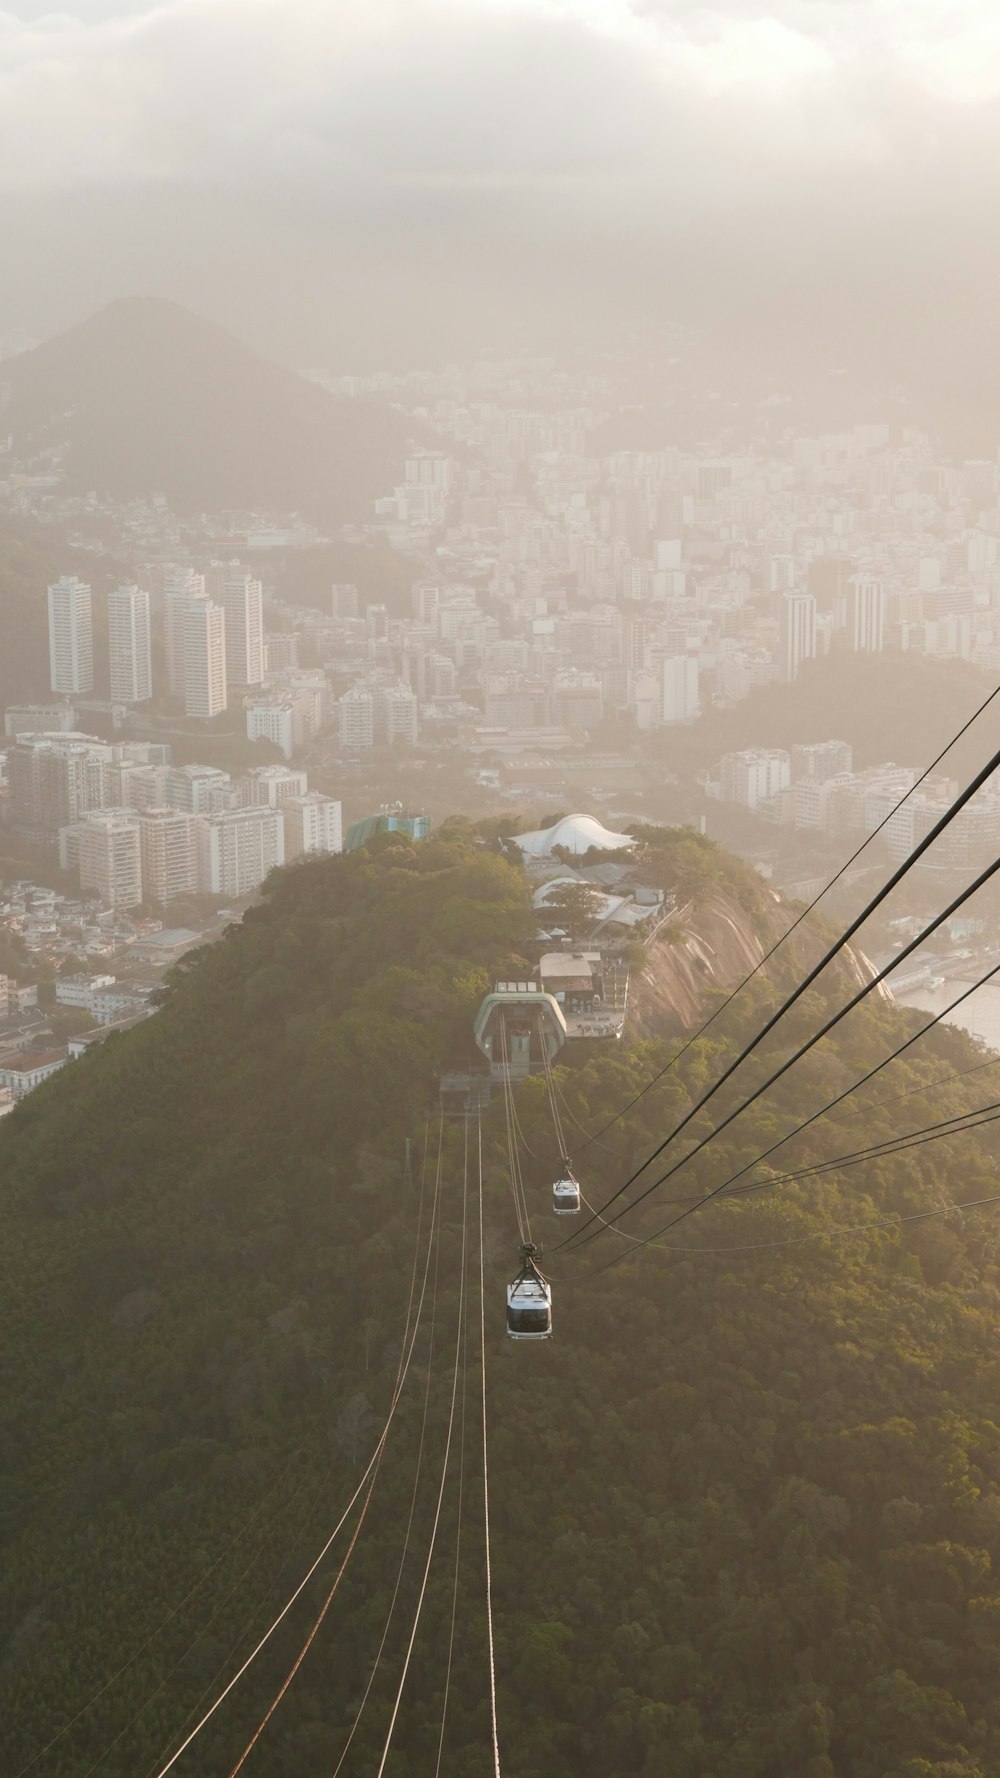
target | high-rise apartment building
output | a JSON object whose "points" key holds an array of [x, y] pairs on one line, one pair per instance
{"points": [[798, 632], [168, 854], [429, 469], [238, 849], [357, 718], [866, 608], [197, 790], [205, 692], [272, 785], [680, 690], [110, 859], [71, 636], [754, 775], [313, 823], [39, 719], [396, 714], [281, 651], [344, 600], [132, 784], [180, 587], [54, 780], [243, 602], [273, 721], [822, 759], [129, 646]]}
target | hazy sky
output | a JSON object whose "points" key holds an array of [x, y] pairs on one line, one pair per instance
{"points": [[589, 93], [309, 164]]}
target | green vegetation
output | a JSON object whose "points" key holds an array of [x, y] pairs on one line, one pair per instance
{"points": [[574, 907], [683, 862], [746, 1505]]}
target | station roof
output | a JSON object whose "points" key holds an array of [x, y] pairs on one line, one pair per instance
{"points": [[576, 834]]}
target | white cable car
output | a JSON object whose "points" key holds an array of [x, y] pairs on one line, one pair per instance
{"points": [[529, 1300], [565, 1192]]}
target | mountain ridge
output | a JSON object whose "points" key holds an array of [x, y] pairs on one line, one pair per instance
{"points": [[746, 1503], [147, 397]]}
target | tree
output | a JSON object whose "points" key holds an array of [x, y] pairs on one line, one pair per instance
{"points": [[574, 906]]}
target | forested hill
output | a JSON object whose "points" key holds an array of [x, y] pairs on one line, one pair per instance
{"points": [[745, 1504]]}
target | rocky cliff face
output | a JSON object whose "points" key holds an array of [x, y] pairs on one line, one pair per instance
{"points": [[719, 944]]}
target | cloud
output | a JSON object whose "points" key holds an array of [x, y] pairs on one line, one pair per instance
{"points": [[582, 101]]}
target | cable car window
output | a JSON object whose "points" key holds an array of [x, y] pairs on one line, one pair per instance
{"points": [[528, 1320]]}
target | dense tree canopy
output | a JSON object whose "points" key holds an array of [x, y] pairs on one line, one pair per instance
{"points": [[746, 1503]]}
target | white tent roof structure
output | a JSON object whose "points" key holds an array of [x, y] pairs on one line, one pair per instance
{"points": [[577, 833]]}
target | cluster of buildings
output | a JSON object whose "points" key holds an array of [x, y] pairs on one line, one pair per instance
{"points": [[553, 586], [561, 585], [561, 600], [102, 966], [815, 788], [140, 830], [205, 632]]}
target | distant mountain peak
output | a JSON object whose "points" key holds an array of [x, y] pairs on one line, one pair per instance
{"points": [[147, 395]]}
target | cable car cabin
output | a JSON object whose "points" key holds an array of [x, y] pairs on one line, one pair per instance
{"points": [[566, 1192], [529, 1301]]}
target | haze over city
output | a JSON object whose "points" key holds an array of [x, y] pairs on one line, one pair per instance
{"points": [[499, 915]]}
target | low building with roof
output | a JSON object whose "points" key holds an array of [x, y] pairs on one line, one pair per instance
{"points": [[161, 949], [24, 1072]]}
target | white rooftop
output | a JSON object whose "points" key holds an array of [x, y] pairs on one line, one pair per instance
{"points": [[576, 833]]}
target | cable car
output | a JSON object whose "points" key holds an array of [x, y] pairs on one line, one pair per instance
{"points": [[529, 1300], [566, 1192]]}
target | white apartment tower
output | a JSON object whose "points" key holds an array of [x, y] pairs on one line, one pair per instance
{"points": [[204, 658], [396, 714], [272, 785], [867, 614], [243, 602], [180, 586], [273, 722], [357, 718], [237, 849], [168, 853], [71, 636], [129, 646], [798, 632], [679, 686], [197, 790], [110, 858], [753, 776], [429, 469], [313, 823]]}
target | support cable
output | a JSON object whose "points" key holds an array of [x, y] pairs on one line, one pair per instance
{"points": [[831, 1104], [444, 1467], [230, 1546], [835, 1234], [516, 1176], [868, 987], [307, 1577], [461, 1498], [406, 1536], [557, 1122], [961, 1124], [486, 1473], [435, 1243], [908, 863], [796, 923]]}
